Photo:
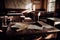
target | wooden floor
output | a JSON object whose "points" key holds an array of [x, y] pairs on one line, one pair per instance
{"points": [[4, 36], [14, 35]]}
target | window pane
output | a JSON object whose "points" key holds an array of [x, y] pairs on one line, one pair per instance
{"points": [[51, 0], [51, 5]]}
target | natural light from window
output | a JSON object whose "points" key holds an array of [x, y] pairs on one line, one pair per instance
{"points": [[29, 6], [34, 7], [51, 5]]}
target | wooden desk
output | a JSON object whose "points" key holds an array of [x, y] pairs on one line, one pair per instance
{"points": [[30, 29], [49, 30], [55, 20], [24, 26]]}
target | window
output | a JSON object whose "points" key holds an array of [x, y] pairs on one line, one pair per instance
{"points": [[34, 6], [51, 5]]}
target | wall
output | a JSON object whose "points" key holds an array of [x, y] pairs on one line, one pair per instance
{"points": [[40, 4], [1, 4], [18, 4], [57, 8], [57, 5], [37, 4], [45, 4], [25, 4]]}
